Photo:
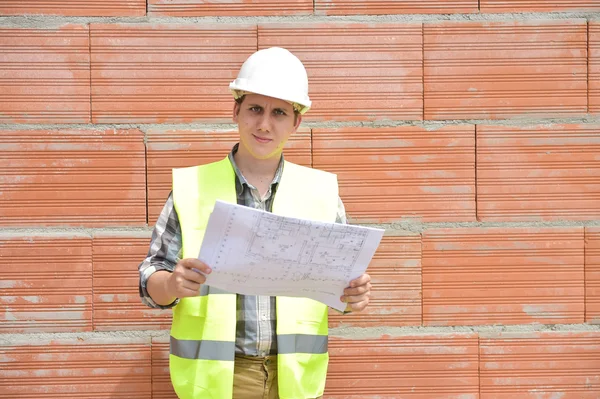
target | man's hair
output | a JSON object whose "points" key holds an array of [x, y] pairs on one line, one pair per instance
{"points": [[240, 100]]}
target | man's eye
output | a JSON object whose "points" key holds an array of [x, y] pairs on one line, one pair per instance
{"points": [[255, 109], [279, 112]]}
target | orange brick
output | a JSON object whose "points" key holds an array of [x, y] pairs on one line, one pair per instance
{"points": [[538, 172], [489, 6], [411, 367], [494, 70], [45, 75], [45, 283], [105, 8], [182, 148], [356, 71], [594, 67], [76, 368], [161, 380], [503, 276], [396, 294], [155, 73], [378, 7], [397, 173], [117, 303], [592, 275], [229, 8], [72, 178], [538, 365]]}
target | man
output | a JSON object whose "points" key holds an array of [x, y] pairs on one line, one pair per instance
{"points": [[246, 347]]}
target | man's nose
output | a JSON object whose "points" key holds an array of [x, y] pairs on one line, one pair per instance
{"points": [[264, 123]]}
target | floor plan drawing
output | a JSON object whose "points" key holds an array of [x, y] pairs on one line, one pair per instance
{"points": [[323, 249], [258, 253]]}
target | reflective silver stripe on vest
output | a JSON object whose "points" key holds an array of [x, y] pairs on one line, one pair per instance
{"points": [[206, 289], [301, 343], [206, 350]]}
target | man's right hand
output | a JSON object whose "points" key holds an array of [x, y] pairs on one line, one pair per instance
{"points": [[186, 279]]}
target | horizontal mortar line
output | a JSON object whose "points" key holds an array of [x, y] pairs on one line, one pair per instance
{"points": [[439, 390], [211, 65], [504, 111], [537, 341], [129, 30], [403, 342], [88, 379], [451, 253], [223, 8], [476, 48], [280, 31], [346, 144], [66, 173], [79, 220], [528, 217], [517, 27], [101, 36], [369, 199], [53, 146], [507, 282], [487, 94], [503, 301], [516, 196], [514, 4], [549, 181], [505, 236], [47, 307], [532, 148], [477, 38], [533, 371], [473, 313], [559, 388], [68, 4], [406, 356], [493, 268], [50, 188], [560, 132], [539, 166], [365, 46], [55, 50], [394, 167], [486, 268], [160, 50], [101, 349], [465, 184], [495, 77], [498, 60], [46, 98], [46, 292], [366, 374]]}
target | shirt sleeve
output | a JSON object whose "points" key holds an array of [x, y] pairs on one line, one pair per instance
{"points": [[164, 252]]}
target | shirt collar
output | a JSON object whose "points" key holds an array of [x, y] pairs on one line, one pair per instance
{"points": [[240, 177]]}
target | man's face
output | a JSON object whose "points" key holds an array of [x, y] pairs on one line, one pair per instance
{"points": [[265, 125]]}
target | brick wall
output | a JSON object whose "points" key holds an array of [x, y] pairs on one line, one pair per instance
{"points": [[468, 129]]}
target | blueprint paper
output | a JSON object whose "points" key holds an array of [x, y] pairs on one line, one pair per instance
{"points": [[253, 252]]}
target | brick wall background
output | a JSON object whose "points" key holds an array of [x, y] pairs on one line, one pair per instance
{"points": [[468, 129]]}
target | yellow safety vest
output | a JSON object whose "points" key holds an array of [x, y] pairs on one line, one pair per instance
{"points": [[203, 332]]}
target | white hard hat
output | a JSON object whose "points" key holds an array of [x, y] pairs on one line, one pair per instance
{"points": [[274, 72]]}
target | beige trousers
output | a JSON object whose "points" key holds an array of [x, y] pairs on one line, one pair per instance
{"points": [[256, 378]]}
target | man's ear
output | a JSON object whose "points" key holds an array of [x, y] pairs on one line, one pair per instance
{"points": [[236, 111], [298, 121]]}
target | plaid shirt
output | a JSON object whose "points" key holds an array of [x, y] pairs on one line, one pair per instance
{"points": [[256, 318]]}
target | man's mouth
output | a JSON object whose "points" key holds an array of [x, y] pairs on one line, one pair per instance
{"points": [[261, 139]]}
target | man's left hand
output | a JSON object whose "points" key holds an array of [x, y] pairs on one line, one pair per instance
{"points": [[357, 294]]}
